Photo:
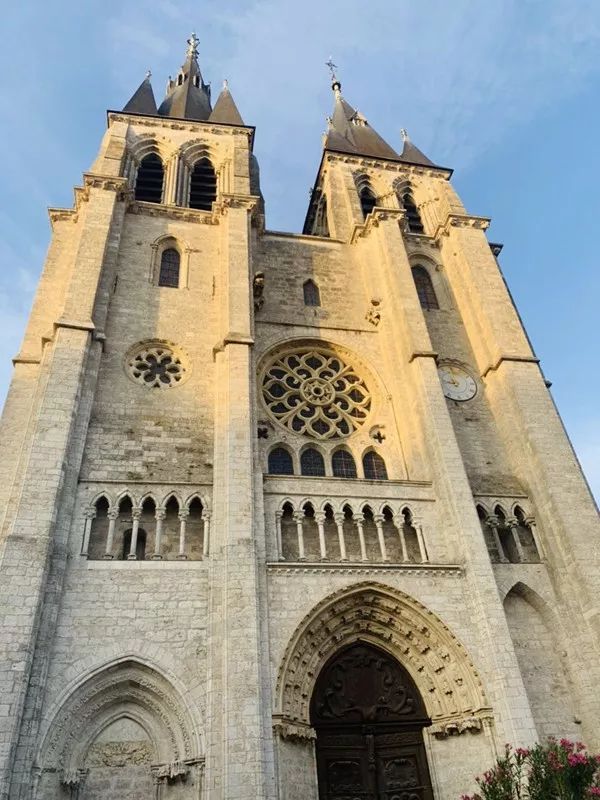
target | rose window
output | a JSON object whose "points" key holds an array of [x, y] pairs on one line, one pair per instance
{"points": [[315, 392], [156, 365]]}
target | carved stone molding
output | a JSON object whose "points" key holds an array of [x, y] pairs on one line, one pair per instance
{"points": [[378, 215], [182, 125], [111, 183], [392, 620], [360, 568], [390, 166], [462, 221], [172, 212], [456, 727], [142, 695]]}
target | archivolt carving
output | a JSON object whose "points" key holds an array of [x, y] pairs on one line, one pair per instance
{"points": [[128, 690], [397, 623]]}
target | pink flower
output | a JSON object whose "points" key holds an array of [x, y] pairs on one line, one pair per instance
{"points": [[594, 791], [522, 752]]}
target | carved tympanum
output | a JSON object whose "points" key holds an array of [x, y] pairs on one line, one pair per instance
{"points": [[365, 685]]}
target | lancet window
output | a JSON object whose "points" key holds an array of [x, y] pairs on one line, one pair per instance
{"points": [[150, 179], [374, 467], [424, 286], [312, 295], [368, 199], [312, 462], [280, 462], [413, 218], [170, 261]]}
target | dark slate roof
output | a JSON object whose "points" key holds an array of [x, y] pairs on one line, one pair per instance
{"points": [[349, 132], [188, 97], [412, 154], [225, 109], [142, 101]]}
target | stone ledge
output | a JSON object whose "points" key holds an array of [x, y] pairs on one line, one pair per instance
{"points": [[360, 566], [159, 564]]}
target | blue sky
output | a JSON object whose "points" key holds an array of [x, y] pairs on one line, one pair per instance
{"points": [[504, 91]]}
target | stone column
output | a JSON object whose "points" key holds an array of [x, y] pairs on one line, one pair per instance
{"points": [[299, 520], [513, 524], [206, 542], [90, 515], [160, 518], [320, 520], [279, 538], [399, 521], [183, 515], [360, 521], [418, 526], [113, 516], [339, 521], [492, 521], [531, 524], [378, 519], [135, 516]]}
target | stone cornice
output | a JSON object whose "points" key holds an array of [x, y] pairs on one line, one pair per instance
{"points": [[172, 212], [462, 221], [378, 215], [389, 165], [113, 183], [423, 354], [502, 359], [182, 125]]}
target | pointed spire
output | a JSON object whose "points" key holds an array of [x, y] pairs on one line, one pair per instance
{"points": [[348, 129], [225, 110], [188, 97], [411, 152], [142, 101]]}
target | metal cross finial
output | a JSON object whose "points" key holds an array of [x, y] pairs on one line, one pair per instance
{"points": [[332, 68], [404, 134], [148, 74], [193, 43]]}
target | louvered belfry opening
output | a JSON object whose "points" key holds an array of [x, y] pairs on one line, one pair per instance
{"points": [[413, 218], [203, 185], [149, 181], [367, 200]]}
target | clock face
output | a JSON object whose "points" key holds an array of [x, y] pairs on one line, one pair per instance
{"points": [[457, 383]]}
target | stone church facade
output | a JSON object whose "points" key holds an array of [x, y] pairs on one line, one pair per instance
{"points": [[283, 515]]}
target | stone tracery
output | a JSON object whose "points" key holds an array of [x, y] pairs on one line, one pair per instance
{"points": [[313, 391]]}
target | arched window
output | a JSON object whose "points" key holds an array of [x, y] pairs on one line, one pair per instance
{"points": [[311, 462], [343, 464], [425, 290], [149, 181], [312, 296], [280, 462], [374, 467], [413, 218], [140, 545], [203, 185], [367, 200], [169, 268]]}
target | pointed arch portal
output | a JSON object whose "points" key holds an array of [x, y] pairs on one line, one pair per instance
{"points": [[369, 717]]}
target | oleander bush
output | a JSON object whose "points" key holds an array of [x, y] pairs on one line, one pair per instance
{"points": [[557, 770]]}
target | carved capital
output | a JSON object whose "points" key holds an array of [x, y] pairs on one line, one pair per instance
{"points": [[90, 513], [136, 513], [184, 514], [113, 513], [161, 513], [456, 727], [293, 730]]}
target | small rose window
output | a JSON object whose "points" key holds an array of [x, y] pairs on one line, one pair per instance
{"points": [[156, 364]]}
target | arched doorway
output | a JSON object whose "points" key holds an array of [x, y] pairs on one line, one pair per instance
{"points": [[369, 719]]}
